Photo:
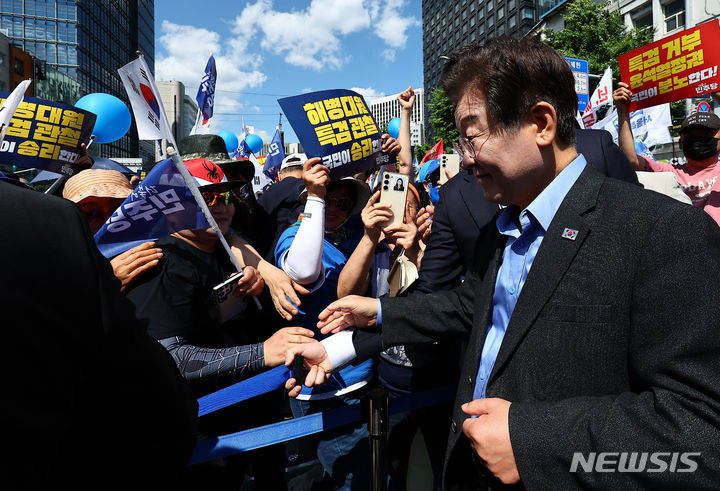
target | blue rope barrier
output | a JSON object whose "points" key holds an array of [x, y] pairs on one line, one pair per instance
{"points": [[262, 436], [247, 389]]}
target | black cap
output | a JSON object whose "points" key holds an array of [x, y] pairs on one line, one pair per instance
{"points": [[708, 120]]}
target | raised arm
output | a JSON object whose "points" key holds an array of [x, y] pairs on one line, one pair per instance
{"points": [[626, 141], [406, 99], [303, 261]]}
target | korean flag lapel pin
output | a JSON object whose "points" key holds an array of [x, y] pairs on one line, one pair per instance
{"points": [[570, 234]]}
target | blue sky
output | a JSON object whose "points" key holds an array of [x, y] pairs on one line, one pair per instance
{"points": [[266, 49]]}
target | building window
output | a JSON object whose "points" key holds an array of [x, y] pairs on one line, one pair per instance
{"points": [[674, 15], [19, 67], [490, 5], [527, 13], [510, 5], [481, 14], [472, 37], [500, 29], [481, 29], [642, 18], [472, 21], [500, 13], [490, 21]]}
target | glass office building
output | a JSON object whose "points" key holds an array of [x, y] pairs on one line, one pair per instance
{"points": [[87, 41], [452, 24]]}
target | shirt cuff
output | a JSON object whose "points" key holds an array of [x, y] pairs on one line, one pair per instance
{"points": [[339, 348]]}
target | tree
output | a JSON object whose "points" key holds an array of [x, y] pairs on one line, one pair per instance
{"points": [[598, 35], [442, 119]]}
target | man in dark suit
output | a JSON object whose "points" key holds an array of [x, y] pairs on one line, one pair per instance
{"points": [[593, 360], [462, 211], [91, 401]]}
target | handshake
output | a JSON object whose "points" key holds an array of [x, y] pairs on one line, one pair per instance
{"points": [[320, 359]]}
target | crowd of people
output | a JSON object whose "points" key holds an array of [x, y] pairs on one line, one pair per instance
{"points": [[556, 293]]}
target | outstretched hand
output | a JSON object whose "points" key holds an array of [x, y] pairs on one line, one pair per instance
{"points": [[349, 311], [315, 359], [129, 265]]}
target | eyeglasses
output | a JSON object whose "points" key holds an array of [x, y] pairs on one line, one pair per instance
{"points": [[342, 203], [213, 198], [465, 147]]}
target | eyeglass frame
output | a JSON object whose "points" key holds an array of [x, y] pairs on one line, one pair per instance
{"points": [[458, 145]]}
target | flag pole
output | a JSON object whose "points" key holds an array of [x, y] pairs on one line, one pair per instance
{"points": [[190, 181]]}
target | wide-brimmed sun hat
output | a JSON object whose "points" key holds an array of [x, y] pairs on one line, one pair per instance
{"points": [[101, 183]]}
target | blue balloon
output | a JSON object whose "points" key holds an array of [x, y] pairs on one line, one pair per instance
{"points": [[113, 117], [394, 127], [231, 141], [254, 142]]}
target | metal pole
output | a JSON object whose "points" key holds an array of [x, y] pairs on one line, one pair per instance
{"points": [[378, 427]]}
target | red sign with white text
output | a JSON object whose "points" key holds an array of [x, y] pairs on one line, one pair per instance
{"points": [[673, 68]]}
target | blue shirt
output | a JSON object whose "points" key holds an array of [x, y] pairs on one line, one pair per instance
{"points": [[520, 251]]}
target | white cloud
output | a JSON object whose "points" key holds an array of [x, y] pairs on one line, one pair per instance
{"points": [[186, 51], [311, 38], [388, 55], [368, 93], [388, 22]]}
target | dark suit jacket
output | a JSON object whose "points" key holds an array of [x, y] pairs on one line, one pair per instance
{"points": [[462, 211], [90, 401], [612, 345]]}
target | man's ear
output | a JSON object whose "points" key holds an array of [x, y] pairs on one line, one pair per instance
{"points": [[543, 116]]}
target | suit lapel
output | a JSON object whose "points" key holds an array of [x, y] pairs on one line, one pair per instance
{"points": [[553, 259]]}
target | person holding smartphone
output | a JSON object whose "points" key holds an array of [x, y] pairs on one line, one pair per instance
{"points": [[313, 252]]}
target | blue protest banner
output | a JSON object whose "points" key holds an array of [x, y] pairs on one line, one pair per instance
{"points": [[275, 156], [337, 126], [243, 151], [160, 205], [45, 135], [581, 74], [206, 91]]}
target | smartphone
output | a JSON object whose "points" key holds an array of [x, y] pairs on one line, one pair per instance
{"points": [[451, 162], [224, 289], [393, 190]]}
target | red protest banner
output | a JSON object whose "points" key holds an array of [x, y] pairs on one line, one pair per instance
{"points": [[673, 68]]}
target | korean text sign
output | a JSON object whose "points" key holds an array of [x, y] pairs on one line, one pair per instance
{"points": [[580, 72], [160, 205], [45, 135], [337, 126], [673, 68]]}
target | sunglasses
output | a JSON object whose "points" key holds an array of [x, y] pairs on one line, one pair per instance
{"points": [[342, 204], [213, 198]]}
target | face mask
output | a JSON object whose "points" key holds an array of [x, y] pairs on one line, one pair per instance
{"points": [[434, 194], [699, 147]]}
